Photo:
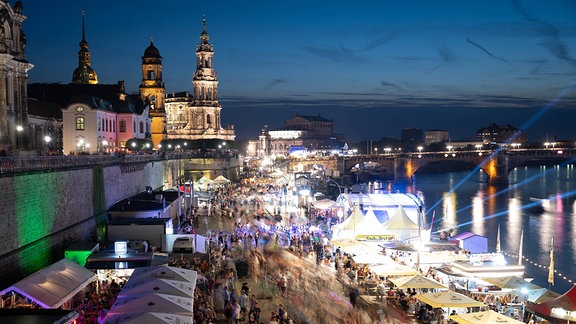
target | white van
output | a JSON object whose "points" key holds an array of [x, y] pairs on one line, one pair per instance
{"points": [[183, 245]]}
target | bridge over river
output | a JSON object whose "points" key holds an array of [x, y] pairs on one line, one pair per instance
{"points": [[497, 164]]}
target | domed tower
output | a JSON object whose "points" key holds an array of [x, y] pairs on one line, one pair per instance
{"points": [[152, 91], [84, 72]]}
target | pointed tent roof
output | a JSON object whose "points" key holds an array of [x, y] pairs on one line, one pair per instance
{"points": [[369, 225], [148, 318], [566, 302], [221, 179], [487, 317], [400, 221], [351, 222]]}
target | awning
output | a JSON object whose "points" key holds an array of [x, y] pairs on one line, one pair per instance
{"points": [[54, 285]]}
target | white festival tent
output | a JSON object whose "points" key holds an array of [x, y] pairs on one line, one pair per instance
{"points": [[160, 303], [161, 286], [221, 180], [149, 318], [144, 274], [369, 225], [54, 285], [485, 317], [401, 226]]}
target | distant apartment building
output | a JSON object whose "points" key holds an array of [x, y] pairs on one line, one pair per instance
{"points": [[436, 136], [501, 134]]}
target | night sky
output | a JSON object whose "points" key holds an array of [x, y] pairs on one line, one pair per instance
{"points": [[374, 67]]}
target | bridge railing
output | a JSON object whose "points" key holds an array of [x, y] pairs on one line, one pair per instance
{"points": [[16, 164]]}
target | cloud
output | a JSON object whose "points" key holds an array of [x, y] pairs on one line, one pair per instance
{"points": [[339, 55], [485, 50], [553, 43], [273, 83]]}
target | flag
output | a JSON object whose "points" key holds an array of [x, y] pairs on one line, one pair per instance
{"points": [[520, 251], [551, 269], [498, 241]]}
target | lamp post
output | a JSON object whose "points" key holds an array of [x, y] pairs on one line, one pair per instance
{"points": [[47, 140], [19, 130]]}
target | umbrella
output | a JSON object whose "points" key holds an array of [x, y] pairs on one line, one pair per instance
{"points": [[487, 317], [392, 269], [417, 281], [511, 282], [448, 298], [541, 295]]}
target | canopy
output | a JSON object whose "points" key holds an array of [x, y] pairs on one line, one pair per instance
{"points": [[562, 307], [351, 222], [324, 204], [393, 269], [487, 317], [161, 303], [400, 221], [369, 225], [162, 286], [144, 274], [448, 298], [54, 285], [541, 295], [417, 281], [221, 180], [148, 318], [511, 282]]}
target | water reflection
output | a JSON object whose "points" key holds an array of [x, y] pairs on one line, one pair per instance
{"points": [[479, 208]]}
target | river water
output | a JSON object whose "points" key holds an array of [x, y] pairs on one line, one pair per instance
{"points": [[463, 202]]}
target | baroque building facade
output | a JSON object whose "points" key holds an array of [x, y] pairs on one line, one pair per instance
{"points": [[197, 116], [17, 134], [152, 91]]}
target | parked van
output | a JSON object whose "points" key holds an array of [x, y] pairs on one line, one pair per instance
{"points": [[183, 245]]}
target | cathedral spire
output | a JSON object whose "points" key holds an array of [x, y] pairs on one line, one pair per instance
{"points": [[204, 37], [84, 72]]}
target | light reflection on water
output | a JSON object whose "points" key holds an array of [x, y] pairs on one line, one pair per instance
{"points": [[479, 208]]}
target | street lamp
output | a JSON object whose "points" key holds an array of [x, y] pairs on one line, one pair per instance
{"points": [[47, 140], [376, 150], [420, 148]]}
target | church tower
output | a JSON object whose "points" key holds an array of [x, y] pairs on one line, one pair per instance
{"points": [[84, 73], [152, 91], [198, 116]]}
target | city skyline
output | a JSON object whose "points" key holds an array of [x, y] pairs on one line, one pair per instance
{"points": [[373, 68]]}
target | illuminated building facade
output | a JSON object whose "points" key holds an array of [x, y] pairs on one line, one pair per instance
{"points": [[152, 91], [15, 128], [84, 74], [197, 116], [315, 133]]}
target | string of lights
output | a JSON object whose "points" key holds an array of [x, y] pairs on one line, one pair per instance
{"points": [[536, 264]]}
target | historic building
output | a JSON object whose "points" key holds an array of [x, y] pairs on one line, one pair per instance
{"points": [[92, 117], [84, 74], [197, 115], [152, 91], [17, 134], [312, 133]]}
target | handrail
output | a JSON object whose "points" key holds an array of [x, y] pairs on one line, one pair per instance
{"points": [[18, 164]]}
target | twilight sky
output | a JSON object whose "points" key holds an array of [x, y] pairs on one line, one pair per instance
{"points": [[374, 67]]}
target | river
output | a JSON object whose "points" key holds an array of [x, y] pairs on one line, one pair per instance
{"points": [[462, 201]]}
